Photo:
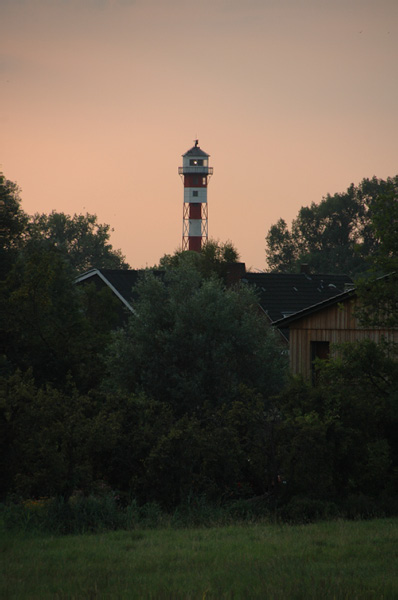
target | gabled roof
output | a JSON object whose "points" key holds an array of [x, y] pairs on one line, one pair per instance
{"points": [[342, 297], [284, 294], [285, 322], [120, 281]]}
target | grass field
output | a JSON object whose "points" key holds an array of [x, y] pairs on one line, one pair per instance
{"points": [[330, 560]]}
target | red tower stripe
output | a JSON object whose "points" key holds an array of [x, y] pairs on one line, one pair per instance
{"points": [[195, 243], [195, 181], [195, 210]]}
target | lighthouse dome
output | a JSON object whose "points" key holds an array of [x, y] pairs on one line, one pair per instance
{"points": [[196, 151]]}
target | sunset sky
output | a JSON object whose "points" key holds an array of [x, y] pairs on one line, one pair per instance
{"points": [[292, 99]]}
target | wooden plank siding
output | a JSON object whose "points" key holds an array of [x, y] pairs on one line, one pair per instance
{"points": [[334, 324]]}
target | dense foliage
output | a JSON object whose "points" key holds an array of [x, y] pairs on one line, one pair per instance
{"points": [[13, 222], [215, 258], [170, 406], [337, 441], [188, 402], [335, 236], [379, 290], [80, 239], [195, 343]]}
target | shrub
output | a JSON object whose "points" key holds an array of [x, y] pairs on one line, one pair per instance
{"points": [[60, 516], [307, 510], [359, 506], [198, 512]]}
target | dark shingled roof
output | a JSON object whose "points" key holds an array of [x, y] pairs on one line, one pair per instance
{"points": [[123, 280], [120, 281], [196, 151], [282, 294], [349, 292], [315, 308]]}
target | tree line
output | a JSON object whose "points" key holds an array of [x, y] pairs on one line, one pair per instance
{"points": [[341, 234], [190, 397]]}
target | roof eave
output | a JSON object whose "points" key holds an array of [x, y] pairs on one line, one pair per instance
{"points": [[286, 321], [97, 272]]}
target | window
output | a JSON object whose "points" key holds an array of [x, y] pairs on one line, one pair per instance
{"points": [[195, 193], [196, 162]]}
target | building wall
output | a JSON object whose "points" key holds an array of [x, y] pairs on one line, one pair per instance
{"points": [[335, 324]]}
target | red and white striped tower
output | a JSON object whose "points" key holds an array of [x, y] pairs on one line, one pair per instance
{"points": [[195, 172]]}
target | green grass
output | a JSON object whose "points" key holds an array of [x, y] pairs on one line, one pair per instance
{"points": [[330, 560]]}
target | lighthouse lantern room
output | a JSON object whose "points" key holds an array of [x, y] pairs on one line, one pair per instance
{"points": [[195, 172]]}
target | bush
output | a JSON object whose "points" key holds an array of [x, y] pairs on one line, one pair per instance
{"points": [[249, 510], [307, 510], [22, 516], [359, 506], [83, 514], [198, 512], [150, 515], [60, 516]]}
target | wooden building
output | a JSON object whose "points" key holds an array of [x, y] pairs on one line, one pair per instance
{"points": [[312, 331], [281, 295]]}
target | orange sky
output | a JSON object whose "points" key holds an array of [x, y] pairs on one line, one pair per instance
{"points": [[292, 99]]}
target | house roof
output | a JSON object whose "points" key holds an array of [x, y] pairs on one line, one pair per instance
{"points": [[120, 281], [285, 322], [283, 297], [341, 297], [284, 294]]}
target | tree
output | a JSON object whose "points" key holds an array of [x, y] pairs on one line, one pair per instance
{"points": [[47, 438], [49, 324], [362, 383], [143, 449], [81, 239], [281, 251], [194, 343], [46, 322], [378, 292], [334, 236], [214, 258], [13, 222], [338, 438], [385, 226]]}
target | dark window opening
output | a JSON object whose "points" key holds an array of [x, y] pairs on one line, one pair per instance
{"points": [[320, 351]]}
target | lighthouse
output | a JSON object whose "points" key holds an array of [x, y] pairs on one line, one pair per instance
{"points": [[195, 173]]}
